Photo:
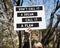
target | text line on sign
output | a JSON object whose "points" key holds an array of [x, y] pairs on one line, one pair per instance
{"points": [[26, 14], [26, 25], [31, 19], [29, 8]]}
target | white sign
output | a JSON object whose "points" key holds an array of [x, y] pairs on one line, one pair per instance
{"points": [[31, 16]]}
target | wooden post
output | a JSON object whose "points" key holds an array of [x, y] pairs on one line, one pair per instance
{"points": [[19, 34], [30, 40]]}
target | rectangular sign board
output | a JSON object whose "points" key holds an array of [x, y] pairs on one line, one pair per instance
{"points": [[30, 16]]}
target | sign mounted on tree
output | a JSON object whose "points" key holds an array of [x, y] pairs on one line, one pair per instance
{"points": [[31, 16]]}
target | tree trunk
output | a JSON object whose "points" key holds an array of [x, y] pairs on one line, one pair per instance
{"points": [[19, 34]]}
